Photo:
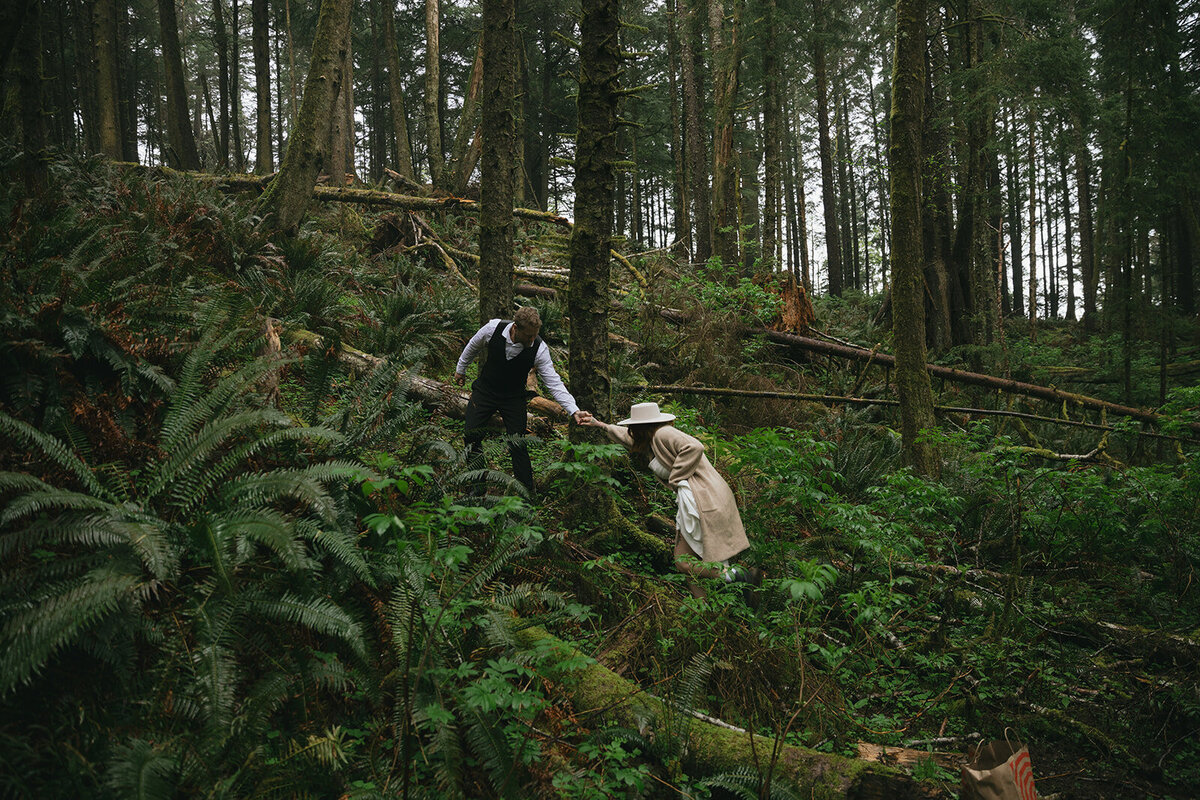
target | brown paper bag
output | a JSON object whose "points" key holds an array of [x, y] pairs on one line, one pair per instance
{"points": [[999, 770]]}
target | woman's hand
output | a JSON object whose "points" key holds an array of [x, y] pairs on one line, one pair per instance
{"points": [[592, 422]]}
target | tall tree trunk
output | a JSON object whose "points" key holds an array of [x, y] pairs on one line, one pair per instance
{"points": [[771, 137], [402, 155], [496, 160], [221, 43], [802, 212], [1068, 233], [908, 315], [264, 162], [12, 15], [1089, 272], [433, 91], [182, 153], [1033, 275], [235, 90], [680, 196], [286, 199], [845, 194], [880, 182], [107, 91], [341, 134], [127, 80], [1015, 205], [29, 90], [833, 250], [726, 61], [595, 152], [690, 49], [464, 157]]}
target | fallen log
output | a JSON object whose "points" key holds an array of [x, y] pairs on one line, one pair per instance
{"points": [[972, 378], [432, 394], [714, 391], [712, 747]]}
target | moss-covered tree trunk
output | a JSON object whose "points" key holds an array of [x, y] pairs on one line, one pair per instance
{"points": [[726, 61], [908, 317], [287, 198], [496, 159], [182, 153], [595, 151]]}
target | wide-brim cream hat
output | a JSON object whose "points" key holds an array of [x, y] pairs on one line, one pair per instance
{"points": [[645, 413]]}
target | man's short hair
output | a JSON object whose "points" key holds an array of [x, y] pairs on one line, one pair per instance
{"points": [[527, 318]]}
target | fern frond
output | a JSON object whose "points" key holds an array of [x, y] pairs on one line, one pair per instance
{"points": [[269, 528], [31, 637], [193, 487], [51, 498], [746, 782], [341, 545], [695, 678], [321, 615], [491, 747], [140, 771], [56, 451]]}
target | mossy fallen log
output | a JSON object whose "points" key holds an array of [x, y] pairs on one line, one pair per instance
{"points": [[711, 747]]}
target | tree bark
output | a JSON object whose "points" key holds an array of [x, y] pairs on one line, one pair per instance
{"points": [[221, 44], [29, 90], [104, 35], [695, 147], [595, 152], [833, 249], [286, 199], [182, 153], [496, 160], [726, 62], [908, 310], [680, 195], [463, 156], [771, 143], [713, 747], [402, 154], [433, 82], [264, 161]]}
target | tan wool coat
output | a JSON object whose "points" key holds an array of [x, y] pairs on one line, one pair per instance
{"points": [[720, 523]]}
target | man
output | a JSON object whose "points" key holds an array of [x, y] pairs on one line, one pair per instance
{"points": [[513, 348]]}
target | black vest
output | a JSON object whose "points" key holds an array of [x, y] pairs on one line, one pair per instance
{"points": [[501, 376]]}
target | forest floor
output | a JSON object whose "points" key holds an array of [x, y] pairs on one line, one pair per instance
{"points": [[1024, 593]]}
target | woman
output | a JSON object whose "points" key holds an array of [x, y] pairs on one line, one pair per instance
{"points": [[709, 528]]}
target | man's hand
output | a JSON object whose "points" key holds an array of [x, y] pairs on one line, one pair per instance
{"points": [[460, 378], [582, 417]]}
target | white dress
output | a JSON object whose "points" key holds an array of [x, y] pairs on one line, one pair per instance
{"points": [[687, 514]]}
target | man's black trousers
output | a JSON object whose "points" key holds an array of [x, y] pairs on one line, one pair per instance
{"points": [[512, 410]]}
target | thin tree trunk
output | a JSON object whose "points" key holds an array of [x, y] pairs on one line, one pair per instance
{"points": [[1033, 275], [771, 149], [833, 250], [496, 160], [286, 199], [403, 146], [463, 157], [221, 44], [235, 89], [264, 161], [182, 153], [1089, 273], [880, 182], [1015, 225], [29, 91], [104, 35], [690, 48], [908, 315], [679, 190], [433, 83], [726, 61]]}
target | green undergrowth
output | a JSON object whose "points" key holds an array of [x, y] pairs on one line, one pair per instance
{"points": [[241, 573]]}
